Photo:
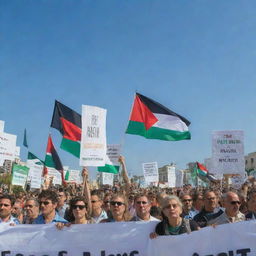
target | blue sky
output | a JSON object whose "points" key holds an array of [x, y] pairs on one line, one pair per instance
{"points": [[197, 57]]}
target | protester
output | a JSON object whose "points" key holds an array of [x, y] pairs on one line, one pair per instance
{"points": [[98, 213], [31, 208], [48, 201], [6, 206], [119, 209], [173, 223], [62, 207], [210, 210], [198, 202], [231, 213], [251, 206], [17, 210], [187, 212], [142, 207], [106, 204]]}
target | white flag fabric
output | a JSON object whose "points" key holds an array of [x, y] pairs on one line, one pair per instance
{"points": [[93, 140]]}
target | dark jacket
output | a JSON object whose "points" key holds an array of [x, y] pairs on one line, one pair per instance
{"points": [[162, 228], [203, 217]]}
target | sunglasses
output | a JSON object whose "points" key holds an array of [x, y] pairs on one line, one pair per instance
{"points": [[235, 202], [106, 202], [5, 205], [44, 202], [28, 206], [114, 203], [141, 202], [81, 207], [187, 200], [93, 201], [174, 206]]}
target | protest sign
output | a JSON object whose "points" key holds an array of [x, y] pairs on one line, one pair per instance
{"points": [[93, 140], [107, 178], [171, 173], [150, 171], [228, 152], [35, 172], [1, 126], [19, 175], [7, 146], [74, 176], [179, 178], [112, 157], [56, 175], [236, 239]]}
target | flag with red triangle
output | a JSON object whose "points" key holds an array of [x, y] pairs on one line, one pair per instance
{"points": [[68, 123], [152, 120], [52, 159]]}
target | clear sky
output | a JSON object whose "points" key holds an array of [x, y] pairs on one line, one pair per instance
{"points": [[197, 58]]}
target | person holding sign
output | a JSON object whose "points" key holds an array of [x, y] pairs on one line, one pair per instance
{"points": [[173, 223]]}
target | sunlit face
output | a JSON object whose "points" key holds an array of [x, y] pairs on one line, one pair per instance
{"points": [[62, 198], [79, 210], [31, 209], [16, 209], [106, 203], [142, 206], [96, 203], [187, 202], [117, 206], [47, 207], [232, 204], [172, 209], [210, 201], [5, 208]]}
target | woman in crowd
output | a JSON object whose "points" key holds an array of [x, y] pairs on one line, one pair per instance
{"points": [[119, 209], [173, 223]]}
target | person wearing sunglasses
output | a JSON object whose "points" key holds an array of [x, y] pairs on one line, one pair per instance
{"points": [[142, 208], [251, 215], [187, 202], [231, 214], [48, 201], [6, 207], [173, 223], [31, 208], [119, 209]]}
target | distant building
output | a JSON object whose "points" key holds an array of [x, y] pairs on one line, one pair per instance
{"points": [[250, 161], [163, 172]]}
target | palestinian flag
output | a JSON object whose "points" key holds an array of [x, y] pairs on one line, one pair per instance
{"points": [[152, 120], [52, 159], [201, 169], [68, 122], [32, 159]]}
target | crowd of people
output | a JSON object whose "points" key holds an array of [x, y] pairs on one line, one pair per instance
{"points": [[175, 211]]}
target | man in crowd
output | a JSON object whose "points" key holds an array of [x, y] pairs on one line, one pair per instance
{"points": [[187, 201], [251, 206], [98, 213], [198, 202], [17, 210], [142, 208], [210, 210], [62, 206], [31, 208], [6, 207], [231, 213], [48, 201]]}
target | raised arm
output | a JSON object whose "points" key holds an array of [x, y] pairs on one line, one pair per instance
{"points": [[86, 189], [125, 175]]}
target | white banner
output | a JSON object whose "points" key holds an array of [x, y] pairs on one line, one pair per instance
{"points": [[150, 171], [93, 140], [228, 152], [224, 240], [126, 239], [7, 146], [113, 154], [171, 176], [107, 178]]}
